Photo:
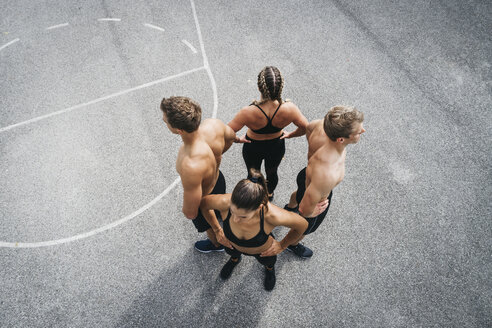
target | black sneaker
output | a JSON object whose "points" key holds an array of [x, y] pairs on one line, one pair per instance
{"points": [[226, 271], [291, 209], [270, 279], [300, 250], [206, 246]]}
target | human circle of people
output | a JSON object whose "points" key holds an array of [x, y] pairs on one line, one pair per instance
{"points": [[247, 214]]}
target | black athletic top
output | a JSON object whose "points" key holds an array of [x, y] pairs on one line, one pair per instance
{"points": [[258, 240], [269, 128]]}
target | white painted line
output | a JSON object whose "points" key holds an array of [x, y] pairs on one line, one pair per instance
{"points": [[8, 44], [109, 19], [155, 27], [156, 199], [56, 26], [205, 61], [146, 85], [95, 231], [190, 46]]}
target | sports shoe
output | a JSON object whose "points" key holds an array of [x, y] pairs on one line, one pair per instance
{"points": [[226, 271], [206, 246], [291, 209], [270, 279], [300, 250]]}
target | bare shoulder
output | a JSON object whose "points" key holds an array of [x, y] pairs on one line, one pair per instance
{"points": [[274, 215], [246, 111], [313, 126], [221, 202], [193, 165], [213, 123], [277, 216], [213, 127]]}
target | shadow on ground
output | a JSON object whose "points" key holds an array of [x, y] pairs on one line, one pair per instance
{"points": [[176, 297]]}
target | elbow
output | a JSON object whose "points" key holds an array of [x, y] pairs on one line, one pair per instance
{"points": [[303, 211], [190, 214]]}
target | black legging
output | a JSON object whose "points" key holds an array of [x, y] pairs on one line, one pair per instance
{"points": [[272, 151], [268, 261]]}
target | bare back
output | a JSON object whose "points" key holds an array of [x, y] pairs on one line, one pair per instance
{"points": [[201, 159], [252, 117], [326, 165]]}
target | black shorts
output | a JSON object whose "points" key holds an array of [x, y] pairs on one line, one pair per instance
{"points": [[313, 223], [268, 261], [220, 188]]}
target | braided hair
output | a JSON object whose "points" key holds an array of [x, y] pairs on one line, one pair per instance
{"points": [[270, 83]]}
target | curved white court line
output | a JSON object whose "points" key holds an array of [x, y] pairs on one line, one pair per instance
{"points": [[95, 231], [156, 199], [69, 109], [205, 61], [56, 26], [189, 46], [154, 27], [8, 44], [108, 19]]}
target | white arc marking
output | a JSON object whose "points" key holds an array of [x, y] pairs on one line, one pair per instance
{"points": [[190, 46], [8, 44], [95, 231], [161, 195], [154, 27], [109, 19], [205, 60], [146, 85], [56, 26]]}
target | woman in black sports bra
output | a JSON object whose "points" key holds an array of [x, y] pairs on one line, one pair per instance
{"points": [[266, 119], [248, 224]]}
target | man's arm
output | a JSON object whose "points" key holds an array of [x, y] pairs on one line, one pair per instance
{"points": [[314, 194], [191, 180], [297, 227], [229, 137]]}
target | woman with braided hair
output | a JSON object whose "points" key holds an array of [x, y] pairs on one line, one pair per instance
{"points": [[266, 119], [248, 224]]}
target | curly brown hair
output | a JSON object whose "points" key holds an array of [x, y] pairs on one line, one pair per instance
{"points": [[182, 113]]}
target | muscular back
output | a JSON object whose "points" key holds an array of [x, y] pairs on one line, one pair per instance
{"points": [[217, 135], [325, 169], [200, 160]]}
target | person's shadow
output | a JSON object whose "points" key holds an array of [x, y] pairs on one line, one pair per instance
{"points": [[191, 294]]}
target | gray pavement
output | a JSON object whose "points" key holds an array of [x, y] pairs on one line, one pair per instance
{"points": [[407, 242]]}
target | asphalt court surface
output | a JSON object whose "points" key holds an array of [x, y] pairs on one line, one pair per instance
{"points": [[91, 227]]}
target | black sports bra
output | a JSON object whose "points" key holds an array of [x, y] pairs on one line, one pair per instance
{"points": [[258, 240], [269, 128]]}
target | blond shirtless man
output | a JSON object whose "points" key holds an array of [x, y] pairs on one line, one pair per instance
{"points": [[327, 140], [198, 164]]}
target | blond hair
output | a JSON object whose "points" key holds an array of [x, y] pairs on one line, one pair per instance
{"points": [[339, 121]]}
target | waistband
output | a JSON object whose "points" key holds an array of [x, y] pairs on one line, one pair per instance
{"points": [[266, 140]]}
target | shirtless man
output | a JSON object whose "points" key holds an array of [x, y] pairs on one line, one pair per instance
{"points": [[327, 140], [198, 164]]}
